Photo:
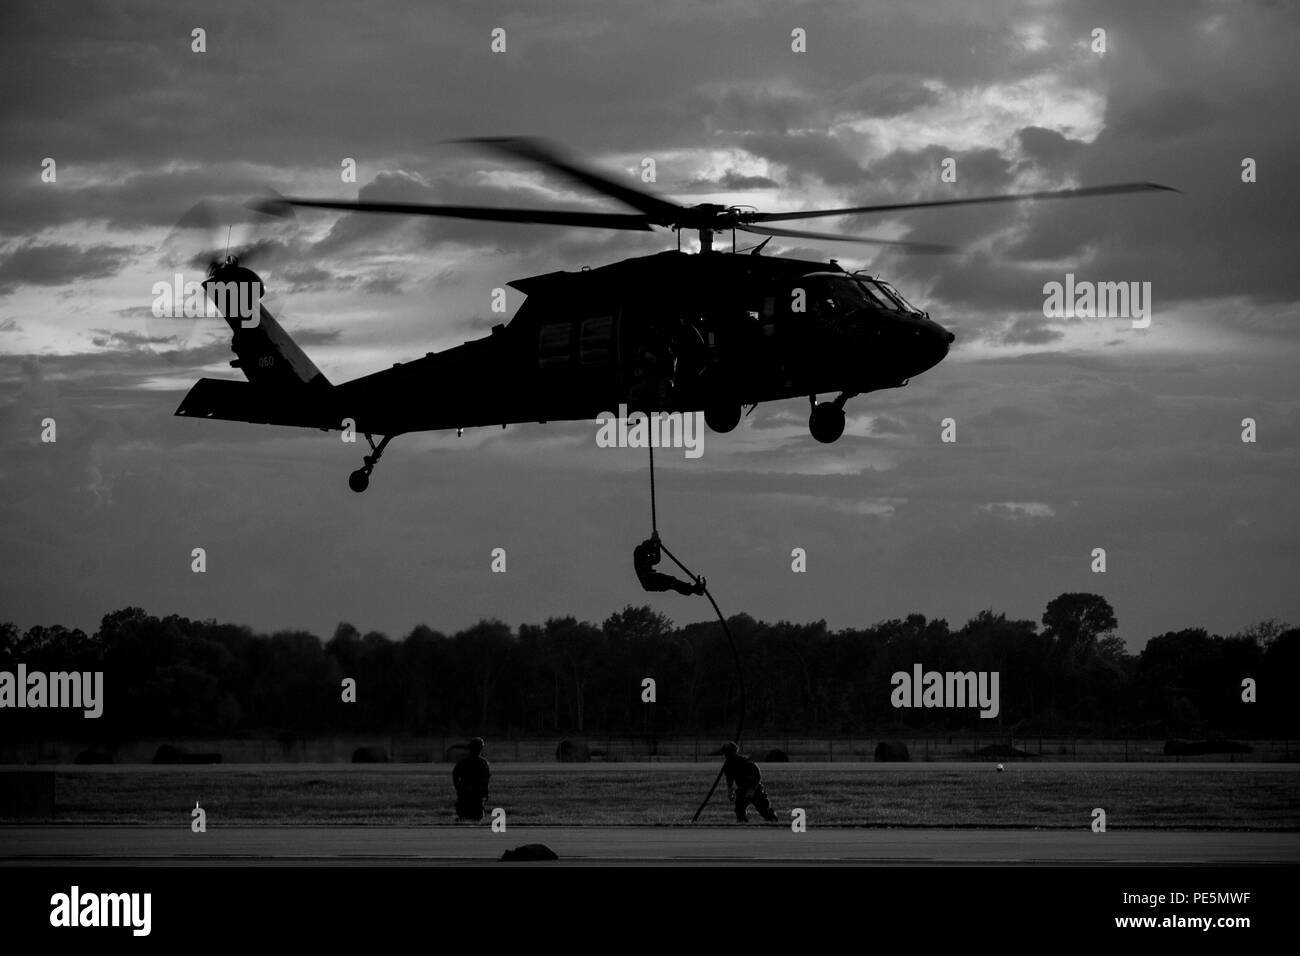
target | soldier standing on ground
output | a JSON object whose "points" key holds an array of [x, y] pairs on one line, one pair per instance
{"points": [[470, 778]]}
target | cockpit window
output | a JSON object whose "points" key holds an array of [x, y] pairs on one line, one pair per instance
{"points": [[877, 297], [897, 296], [882, 298], [836, 295]]}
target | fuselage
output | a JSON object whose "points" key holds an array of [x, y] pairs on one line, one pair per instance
{"points": [[714, 327]]}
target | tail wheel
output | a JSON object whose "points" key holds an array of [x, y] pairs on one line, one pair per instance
{"points": [[359, 480]]}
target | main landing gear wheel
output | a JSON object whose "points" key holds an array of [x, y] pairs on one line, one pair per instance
{"points": [[827, 419], [826, 422], [359, 480], [722, 418]]}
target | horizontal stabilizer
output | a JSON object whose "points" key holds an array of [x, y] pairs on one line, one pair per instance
{"points": [[235, 401]]}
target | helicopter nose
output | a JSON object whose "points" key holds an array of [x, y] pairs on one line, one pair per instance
{"points": [[938, 333], [936, 340]]}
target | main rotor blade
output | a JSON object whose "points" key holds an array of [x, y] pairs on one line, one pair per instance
{"points": [[553, 217], [929, 248], [659, 211], [1006, 197]]}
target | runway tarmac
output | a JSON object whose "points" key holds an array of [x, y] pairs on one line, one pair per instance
{"points": [[352, 845]]}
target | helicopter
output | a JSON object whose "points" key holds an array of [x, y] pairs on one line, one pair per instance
{"points": [[712, 332]]}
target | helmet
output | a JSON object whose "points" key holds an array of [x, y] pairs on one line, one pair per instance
{"points": [[730, 748], [476, 745]]}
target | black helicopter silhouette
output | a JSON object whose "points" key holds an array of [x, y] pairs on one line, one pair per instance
{"points": [[668, 332]]}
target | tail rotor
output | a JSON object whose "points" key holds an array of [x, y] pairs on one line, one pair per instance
{"points": [[209, 239]]}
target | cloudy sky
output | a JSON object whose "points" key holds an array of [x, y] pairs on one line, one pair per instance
{"points": [[1073, 434]]}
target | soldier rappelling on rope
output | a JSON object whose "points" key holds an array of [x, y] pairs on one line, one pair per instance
{"points": [[645, 556]]}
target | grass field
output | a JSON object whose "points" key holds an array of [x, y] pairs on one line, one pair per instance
{"points": [[1194, 797]]}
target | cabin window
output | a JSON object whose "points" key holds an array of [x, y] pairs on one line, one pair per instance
{"points": [[554, 346], [596, 341]]}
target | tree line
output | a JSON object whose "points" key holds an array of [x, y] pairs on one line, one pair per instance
{"points": [[1068, 674]]}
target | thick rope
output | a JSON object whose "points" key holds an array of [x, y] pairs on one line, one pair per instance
{"points": [[654, 518], [735, 654]]}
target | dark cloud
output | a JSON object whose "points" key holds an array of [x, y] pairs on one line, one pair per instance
{"points": [[363, 234], [1009, 416], [1030, 331], [1168, 114], [888, 425], [806, 154], [476, 324], [305, 278], [387, 283], [744, 107], [916, 173], [1049, 150], [149, 194], [106, 338], [730, 180], [57, 264], [308, 337], [888, 95]]}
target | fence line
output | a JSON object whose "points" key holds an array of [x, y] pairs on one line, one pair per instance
{"points": [[764, 747]]}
